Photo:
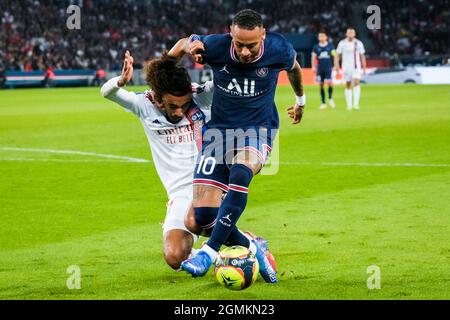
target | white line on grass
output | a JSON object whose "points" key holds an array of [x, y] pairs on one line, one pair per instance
{"points": [[361, 164], [63, 160], [83, 153]]}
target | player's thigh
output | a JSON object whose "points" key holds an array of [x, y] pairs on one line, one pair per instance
{"points": [[178, 208], [210, 180], [319, 78], [348, 77], [249, 159], [254, 147], [356, 76], [328, 78]]}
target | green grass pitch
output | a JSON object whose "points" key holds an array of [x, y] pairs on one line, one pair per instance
{"points": [[354, 189]]}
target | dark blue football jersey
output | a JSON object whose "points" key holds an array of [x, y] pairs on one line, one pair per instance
{"points": [[244, 92], [324, 56]]}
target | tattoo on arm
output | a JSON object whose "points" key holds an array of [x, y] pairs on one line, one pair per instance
{"points": [[296, 79]]}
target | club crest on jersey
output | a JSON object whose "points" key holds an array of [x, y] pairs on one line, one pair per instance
{"points": [[262, 72], [195, 116]]}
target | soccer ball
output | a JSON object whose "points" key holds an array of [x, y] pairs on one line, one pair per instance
{"points": [[236, 268]]}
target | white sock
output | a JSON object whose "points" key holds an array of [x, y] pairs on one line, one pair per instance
{"points": [[210, 251], [348, 97], [193, 253], [357, 94], [251, 246]]}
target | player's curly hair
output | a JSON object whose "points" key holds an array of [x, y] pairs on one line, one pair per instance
{"points": [[247, 19], [164, 76]]}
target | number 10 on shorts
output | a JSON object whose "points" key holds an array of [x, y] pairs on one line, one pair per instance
{"points": [[203, 164]]}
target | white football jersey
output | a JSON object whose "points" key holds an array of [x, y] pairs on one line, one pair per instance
{"points": [[174, 147], [350, 51]]}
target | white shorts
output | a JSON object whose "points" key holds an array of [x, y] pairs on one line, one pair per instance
{"points": [[177, 209], [351, 74]]}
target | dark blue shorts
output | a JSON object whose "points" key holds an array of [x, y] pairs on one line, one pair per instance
{"points": [[324, 75], [219, 148]]}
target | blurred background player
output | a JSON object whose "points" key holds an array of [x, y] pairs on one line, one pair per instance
{"points": [[322, 59], [172, 116], [353, 66]]}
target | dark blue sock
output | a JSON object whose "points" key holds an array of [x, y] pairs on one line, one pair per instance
{"points": [[206, 219], [237, 238], [232, 206], [322, 94], [330, 92]]}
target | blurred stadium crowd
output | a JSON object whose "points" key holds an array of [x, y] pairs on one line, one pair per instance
{"points": [[34, 35], [413, 27]]}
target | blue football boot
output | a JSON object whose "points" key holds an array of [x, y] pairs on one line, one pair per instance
{"points": [[198, 265], [266, 269]]}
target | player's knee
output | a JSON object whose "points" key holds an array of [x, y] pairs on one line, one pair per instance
{"points": [[241, 174], [174, 257], [250, 160]]}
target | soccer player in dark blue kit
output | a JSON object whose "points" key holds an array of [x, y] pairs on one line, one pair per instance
{"points": [[244, 119], [322, 58]]}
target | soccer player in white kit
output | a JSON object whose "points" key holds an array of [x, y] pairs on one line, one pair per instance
{"points": [[172, 114], [353, 64]]}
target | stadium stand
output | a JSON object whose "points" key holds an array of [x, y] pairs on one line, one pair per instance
{"points": [[34, 34]]}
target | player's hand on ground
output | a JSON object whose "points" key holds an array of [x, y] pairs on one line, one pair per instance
{"points": [[295, 113], [196, 48], [127, 70]]}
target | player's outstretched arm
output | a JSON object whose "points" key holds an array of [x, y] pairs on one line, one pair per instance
{"points": [[112, 89], [191, 45], [180, 48], [296, 80]]}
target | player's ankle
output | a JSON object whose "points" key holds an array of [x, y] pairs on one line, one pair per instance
{"points": [[210, 252]]}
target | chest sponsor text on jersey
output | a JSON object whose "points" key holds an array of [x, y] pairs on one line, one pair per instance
{"points": [[244, 89], [176, 135]]}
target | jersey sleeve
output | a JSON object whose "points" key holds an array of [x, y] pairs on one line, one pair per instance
{"points": [[208, 42], [291, 57], [332, 50], [314, 50], [129, 100], [361, 48], [203, 94], [214, 46]]}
